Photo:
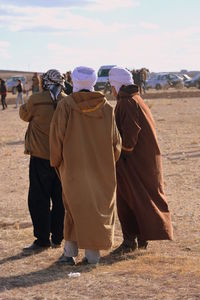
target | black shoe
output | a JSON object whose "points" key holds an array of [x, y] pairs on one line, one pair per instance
{"points": [[86, 262], [55, 245], [35, 247], [124, 248], [142, 244], [67, 260]]}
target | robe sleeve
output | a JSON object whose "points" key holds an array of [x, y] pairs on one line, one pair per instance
{"points": [[117, 143], [26, 112], [130, 125], [57, 132]]}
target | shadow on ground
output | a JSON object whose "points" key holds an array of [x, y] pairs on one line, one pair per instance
{"points": [[54, 272]]}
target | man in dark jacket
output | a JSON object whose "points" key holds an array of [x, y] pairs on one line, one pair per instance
{"points": [[44, 182], [19, 88], [3, 93]]}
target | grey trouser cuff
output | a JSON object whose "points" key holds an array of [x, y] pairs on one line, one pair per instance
{"points": [[71, 250]]}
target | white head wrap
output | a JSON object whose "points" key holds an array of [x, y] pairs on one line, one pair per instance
{"points": [[120, 76], [83, 78]]}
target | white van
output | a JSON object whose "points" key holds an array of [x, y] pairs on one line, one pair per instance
{"points": [[102, 77]]}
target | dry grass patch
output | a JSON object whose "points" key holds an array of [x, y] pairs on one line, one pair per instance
{"points": [[167, 270]]}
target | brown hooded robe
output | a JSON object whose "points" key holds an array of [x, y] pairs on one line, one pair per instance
{"points": [[141, 201], [84, 145]]}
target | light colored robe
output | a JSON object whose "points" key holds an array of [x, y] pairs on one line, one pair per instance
{"points": [[84, 145]]}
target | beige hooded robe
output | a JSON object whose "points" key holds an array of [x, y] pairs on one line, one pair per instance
{"points": [[84, 145]]}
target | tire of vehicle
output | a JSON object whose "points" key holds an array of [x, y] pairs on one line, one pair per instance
{"points": [[158, 87], [14, 90]]}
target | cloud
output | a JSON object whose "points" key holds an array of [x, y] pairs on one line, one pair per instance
{"points": [[59, 20], [151, 26], [168, 51], [87, 4], [49, 3], [74, 56], [105, 5], [4, 49]]}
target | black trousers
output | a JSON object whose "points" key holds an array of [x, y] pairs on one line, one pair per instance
{"points": [[45, 202], [3, 101]]}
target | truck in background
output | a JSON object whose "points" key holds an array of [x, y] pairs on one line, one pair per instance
{"points": [[102, 80]]}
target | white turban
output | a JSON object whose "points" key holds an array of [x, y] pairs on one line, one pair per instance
{"points": [[120, 76], [83, 78]]}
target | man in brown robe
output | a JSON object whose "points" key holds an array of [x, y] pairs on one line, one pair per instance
{"points": [[84, 145], [142, 206]]}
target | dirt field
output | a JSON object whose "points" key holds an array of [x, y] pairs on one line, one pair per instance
{"points": [[166, 270]]}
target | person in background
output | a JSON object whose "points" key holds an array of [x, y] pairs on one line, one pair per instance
{"points": [[68, 88], [84, 145], [35, 83], [19, 88], [141, 201], [69, 77], [107, 88], [45, 192], [3, 93], [143, 78], [26, 88]]}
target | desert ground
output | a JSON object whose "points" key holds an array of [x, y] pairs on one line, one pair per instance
{"points": [[166, 270]]}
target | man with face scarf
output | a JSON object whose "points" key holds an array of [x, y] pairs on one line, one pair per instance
{"points": [[84, 145], [45, 186], [141, 202]]}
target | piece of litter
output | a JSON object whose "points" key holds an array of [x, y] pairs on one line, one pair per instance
{"points": [[74, 274]]}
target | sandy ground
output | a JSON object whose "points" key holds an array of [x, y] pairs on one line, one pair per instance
{"points": [[166, 270]]}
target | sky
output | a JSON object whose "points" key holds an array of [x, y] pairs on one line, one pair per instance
{"points": [[38, 35]]}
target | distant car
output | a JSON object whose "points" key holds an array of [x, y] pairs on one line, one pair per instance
{"points": [[185, 77], [12, 82], [193, 82], [176, 81], [157, 82], [102, 79], [164, 81]]}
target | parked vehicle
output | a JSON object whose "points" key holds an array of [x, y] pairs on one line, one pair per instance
{"points": [[102, 80], [176, 81], [12, 82], [193, 82], [164, 81], [185, 77]]}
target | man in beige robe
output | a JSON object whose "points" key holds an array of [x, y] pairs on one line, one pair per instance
{"points": [[84, 145]]}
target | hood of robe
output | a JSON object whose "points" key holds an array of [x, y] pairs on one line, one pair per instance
{"points": [[127, 91], [88, 103]]}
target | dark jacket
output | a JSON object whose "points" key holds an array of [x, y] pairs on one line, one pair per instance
{"points": [[68, 88], [19, 87], [3, 89]]}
